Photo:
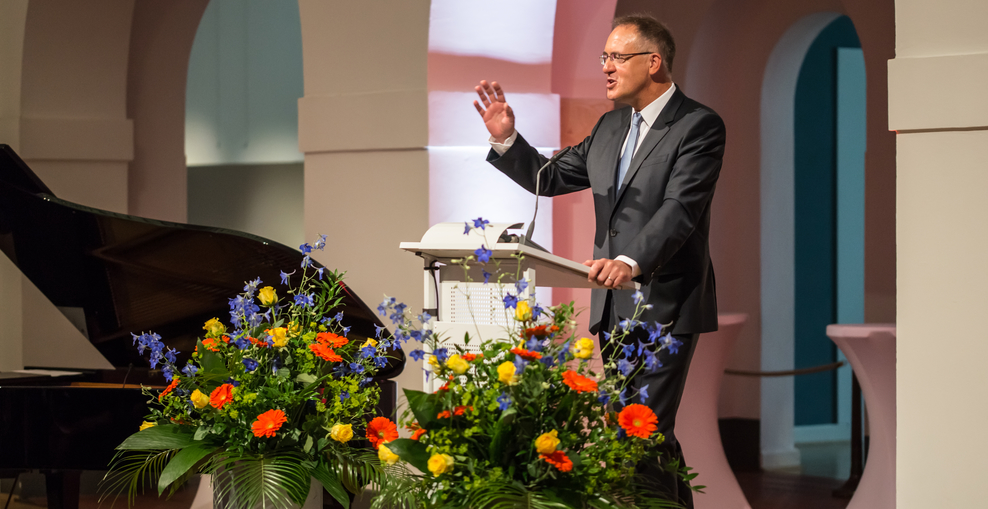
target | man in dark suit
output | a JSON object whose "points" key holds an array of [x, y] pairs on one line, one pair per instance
{"points": [[652, 168]]}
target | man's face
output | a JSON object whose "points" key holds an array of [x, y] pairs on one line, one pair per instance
{"points": [[625, 81]]}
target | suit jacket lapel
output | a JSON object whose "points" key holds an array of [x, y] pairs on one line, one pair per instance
{"points": [[652, 138]]}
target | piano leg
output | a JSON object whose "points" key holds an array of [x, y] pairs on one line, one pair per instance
{"points": [[63, 488]]}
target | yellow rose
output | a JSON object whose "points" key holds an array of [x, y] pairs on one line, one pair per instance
{"points": [[279, 335], [523, 311], [146, 425], [583, 348], [369, 342], [547, 442], [457, 364], [506, 373], [199, 399], [341, 432], [267, 296], [384, 454], [214, 328], [434, 362], [440, 464]]}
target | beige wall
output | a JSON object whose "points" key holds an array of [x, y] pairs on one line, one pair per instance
{"points": [[942, 149], [363, 130]]}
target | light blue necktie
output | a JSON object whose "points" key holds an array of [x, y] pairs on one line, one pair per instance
{"points": [[629, 150]]}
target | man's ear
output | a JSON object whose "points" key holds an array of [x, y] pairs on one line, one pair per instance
{"points": [[655, 65]]}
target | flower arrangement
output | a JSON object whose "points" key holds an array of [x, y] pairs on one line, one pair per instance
{"points": [[526, 422], [266, 403]]}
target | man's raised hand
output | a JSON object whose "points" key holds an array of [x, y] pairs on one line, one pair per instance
{"points": [[497, 115]]}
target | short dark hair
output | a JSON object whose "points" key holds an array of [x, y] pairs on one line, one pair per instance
{"points": [[653, 31]]}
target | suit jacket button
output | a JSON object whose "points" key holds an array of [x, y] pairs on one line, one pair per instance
{"points": [[613, 232]]}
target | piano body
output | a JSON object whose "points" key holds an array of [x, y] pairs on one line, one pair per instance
{"points": [[113, 274]]}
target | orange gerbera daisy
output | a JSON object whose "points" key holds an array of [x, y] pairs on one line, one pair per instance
{"points": [[168, 389], [461, 409], [526, 354], [418, 433], [268, 423], [221, 396], [578, 382], [331, 340], [210, 344], [469, 357], [324, 352], [443, 415], [638, 420], [558, 459], [541, 331], [381, 430], [258, 342]]}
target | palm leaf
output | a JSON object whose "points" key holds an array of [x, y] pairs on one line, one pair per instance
{"points": [[181, 464], [274, 480], [133, 470]]}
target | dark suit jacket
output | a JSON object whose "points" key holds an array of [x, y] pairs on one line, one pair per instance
{"points": [[661, 215]]}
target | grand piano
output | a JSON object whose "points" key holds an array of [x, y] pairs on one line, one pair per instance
{"points": [[112, 274]]}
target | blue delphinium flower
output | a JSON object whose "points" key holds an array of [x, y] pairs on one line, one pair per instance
{"points": [[548, 360], [242, 343], [380, 361], [416, 354], [367, 352], [304, 299], [305, 248], [561, 356], [321, 243], [483, 254], [652, 362], [346, 330], [520, 363], [480, 223], [424, 318], [306, 262], [643, 392], [398, 315], [249, 364], [671, 343], [624, 396], [628, 324], [319, 272], [441, 354], [251, 287], [504, 401], [170, 356], [604, 397], [625, 366], [379, 330], [275, 364], [365, 382], [167, 371], [537, 311], [627, 351], [344, 396], [510, 301], [284, 276], [638, 297], [232, 382], [487, 276], [190, 369], [356, 367], [534, 344], [466, 228], [520, 285]]}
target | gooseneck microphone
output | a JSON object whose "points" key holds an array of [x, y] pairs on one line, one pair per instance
{"points": [[538, 174]]}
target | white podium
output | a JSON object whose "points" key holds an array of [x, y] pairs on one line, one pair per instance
{"points": [[461, 301]]}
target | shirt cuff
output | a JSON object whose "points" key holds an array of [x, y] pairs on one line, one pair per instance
{"points": [[501, 148], [635, 270]]}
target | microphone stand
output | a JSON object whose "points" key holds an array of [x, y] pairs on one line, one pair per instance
{"points": [[527, 239]]}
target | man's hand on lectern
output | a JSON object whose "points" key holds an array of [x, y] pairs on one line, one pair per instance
{"points": [[608, 273], [497, 115]]}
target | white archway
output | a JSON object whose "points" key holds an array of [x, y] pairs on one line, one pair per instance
{"points": [[777, 236]]}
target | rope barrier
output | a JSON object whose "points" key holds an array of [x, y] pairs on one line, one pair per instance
{"points": [[791, 372]]}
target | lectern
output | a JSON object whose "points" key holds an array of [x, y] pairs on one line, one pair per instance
{"points": [[460, 300]]}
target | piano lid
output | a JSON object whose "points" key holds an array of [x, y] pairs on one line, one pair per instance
{"points": [[113, 274]]}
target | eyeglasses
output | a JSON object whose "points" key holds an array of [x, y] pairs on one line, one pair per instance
{"points": [[619, 58]]}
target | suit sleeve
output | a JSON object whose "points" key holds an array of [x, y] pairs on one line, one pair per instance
{"points": [[521, 163], [688, 193]]}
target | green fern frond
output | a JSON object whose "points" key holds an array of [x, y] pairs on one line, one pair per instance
{"points": [[275, 480]]}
